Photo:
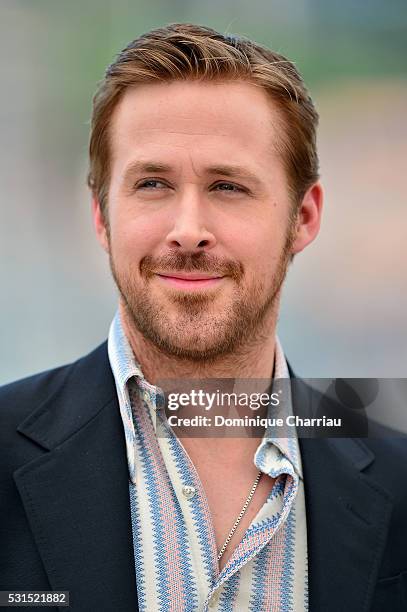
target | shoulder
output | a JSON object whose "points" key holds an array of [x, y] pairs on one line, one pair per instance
{"points": [[390, 464], [19, 398]]}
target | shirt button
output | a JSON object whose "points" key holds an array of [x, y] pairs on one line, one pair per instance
{"points": [[188, 491], [214, 600]]}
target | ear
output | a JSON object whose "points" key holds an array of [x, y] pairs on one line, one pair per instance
{"points": [[100, 224], [308, 218]]}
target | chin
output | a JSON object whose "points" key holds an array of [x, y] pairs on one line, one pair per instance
{"points": [[192, 346]]}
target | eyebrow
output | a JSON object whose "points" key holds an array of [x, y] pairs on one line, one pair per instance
{"points": [[151, 167]]}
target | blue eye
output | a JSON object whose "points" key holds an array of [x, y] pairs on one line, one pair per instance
{"points": [[150, 184], [157, 185], [228, 187]]}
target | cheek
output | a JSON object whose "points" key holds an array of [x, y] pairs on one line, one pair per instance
{"points": [[256, 244], [136, 237]]}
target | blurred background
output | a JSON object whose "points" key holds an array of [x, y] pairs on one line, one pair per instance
{"points": [[345, 301]]}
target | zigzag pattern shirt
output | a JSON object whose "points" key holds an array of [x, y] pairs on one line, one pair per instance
{"points": [[176, 567]]}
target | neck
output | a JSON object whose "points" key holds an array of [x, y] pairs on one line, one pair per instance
{"points": [[253, 360]]}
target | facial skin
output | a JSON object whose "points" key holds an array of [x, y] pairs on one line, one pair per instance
{"points": [[198, 189]]}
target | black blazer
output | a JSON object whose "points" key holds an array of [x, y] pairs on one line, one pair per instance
{"points": [[65, 514]]}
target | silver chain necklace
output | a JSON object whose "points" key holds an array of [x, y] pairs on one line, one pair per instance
{"points": [[239, 518]]}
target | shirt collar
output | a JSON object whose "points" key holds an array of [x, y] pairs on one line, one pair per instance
{"points": [[288, 446], [125, 367], [122, 361]]}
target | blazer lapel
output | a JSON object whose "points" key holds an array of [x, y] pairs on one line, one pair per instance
{"points": [[347, 520], [76, 495]]}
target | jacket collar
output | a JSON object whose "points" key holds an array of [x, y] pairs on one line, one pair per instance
{"points": [[76, 495], [348, 514]]}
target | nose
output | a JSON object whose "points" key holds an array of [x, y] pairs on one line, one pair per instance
{"points": [[189, 231]]}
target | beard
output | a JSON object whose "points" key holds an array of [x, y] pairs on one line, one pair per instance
{"points": [[194, 329]]}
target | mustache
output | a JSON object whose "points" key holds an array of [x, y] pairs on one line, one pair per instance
{"points": [[191, 262]]}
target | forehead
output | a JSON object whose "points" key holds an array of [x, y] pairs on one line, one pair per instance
{"points": [[233, 119]]}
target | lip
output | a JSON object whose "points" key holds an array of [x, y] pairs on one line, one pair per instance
{"points": [[189, 275], [189, 280]]}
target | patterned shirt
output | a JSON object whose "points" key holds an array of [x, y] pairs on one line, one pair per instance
{"points": [[175, 553]]}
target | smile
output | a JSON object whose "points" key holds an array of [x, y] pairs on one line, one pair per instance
{"points": [[190, 281]]}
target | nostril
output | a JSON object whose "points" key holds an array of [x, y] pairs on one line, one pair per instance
{"points": [[203, 243]]}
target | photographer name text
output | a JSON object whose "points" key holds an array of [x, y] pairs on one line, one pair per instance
{"points": [[256, 421]]}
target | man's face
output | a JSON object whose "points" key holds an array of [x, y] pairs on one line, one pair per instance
{"points": [[199, 232]]}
